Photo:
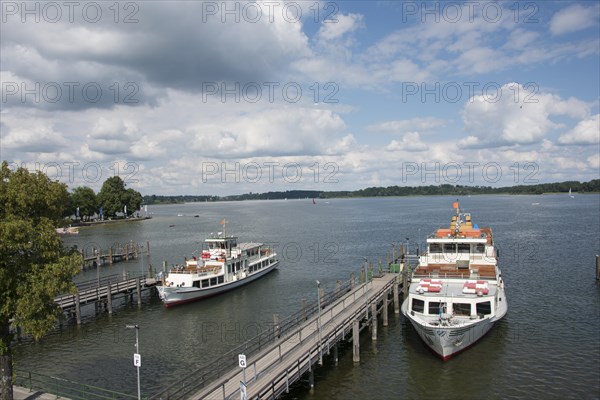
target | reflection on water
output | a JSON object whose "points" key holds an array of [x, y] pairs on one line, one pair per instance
{"points": [[548, 345]]}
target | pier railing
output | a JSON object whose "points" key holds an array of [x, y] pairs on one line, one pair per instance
{"points": [[61, 387], [216, 369]]}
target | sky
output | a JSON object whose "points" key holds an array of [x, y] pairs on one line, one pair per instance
{"points": [[222, 98]]}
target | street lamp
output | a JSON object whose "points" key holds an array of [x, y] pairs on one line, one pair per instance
{"points": [[137, 358], [319, 321]]}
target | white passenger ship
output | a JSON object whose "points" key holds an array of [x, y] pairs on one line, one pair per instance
{"points": [[222, 265], [457, 292]]}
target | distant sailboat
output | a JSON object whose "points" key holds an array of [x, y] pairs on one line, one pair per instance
{"points": [[570, 195]]}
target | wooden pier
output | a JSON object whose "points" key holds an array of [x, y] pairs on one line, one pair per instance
{"points": [[115, 253], [294, 346], [104, 291]]}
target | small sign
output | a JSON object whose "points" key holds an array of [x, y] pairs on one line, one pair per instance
{"points": [[242, 360], [137, 360], [243, 395]]}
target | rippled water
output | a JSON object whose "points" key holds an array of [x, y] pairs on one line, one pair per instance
{"points": [[548, 346]]}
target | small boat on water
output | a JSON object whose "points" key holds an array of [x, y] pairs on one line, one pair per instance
{"points": [[456, 292], [223, 264], [71, 230], [570, 195]]}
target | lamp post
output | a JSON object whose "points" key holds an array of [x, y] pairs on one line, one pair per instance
{"points": [[319, 321], [137, 358]]}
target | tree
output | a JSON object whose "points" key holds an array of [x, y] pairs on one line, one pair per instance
{"points": [[84, 198], [113, 197], [34, 265]]}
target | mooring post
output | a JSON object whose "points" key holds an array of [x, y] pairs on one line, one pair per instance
{"points": [[335, 353], [374, 321], [77, 309], [404, 281], [351, 280], [138, 289], [396, 298], [276, 327], [311, 378], [304, 309], [338, 287], [386, 298], [355, 342], [126, 251], [147, 247], [109, 299], [362, 275], [110, 255]]}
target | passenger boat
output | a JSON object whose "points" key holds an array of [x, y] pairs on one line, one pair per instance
{"points": [[456, 292], [223, 264]]}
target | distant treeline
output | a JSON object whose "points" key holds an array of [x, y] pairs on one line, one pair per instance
{"points": [[592, 186]]}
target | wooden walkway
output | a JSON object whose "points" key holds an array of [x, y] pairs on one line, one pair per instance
{"points": [[272, 369], [104, 291]]}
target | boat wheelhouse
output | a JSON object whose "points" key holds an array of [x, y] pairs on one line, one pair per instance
{"points": [[456, 292]]}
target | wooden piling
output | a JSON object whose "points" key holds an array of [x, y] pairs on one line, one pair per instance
{"points": [[597, 267], [404, 281], [335, 353], [77, 308], [338, 287], [109, 299], [110, 255], [304, 309], [126, 251], [362, 275], [138, 289], [355, 342], [351, 280], [386, 298], [276, 326], [374, 321], [396, 299], [147, 247]]}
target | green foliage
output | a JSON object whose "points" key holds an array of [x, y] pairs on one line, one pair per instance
{"points": [[34, 266], [84, 198], [113, 197]]}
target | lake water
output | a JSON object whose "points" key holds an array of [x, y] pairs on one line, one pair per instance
{"points": [[548, 345]]}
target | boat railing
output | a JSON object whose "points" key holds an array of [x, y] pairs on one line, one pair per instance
{"points": [[197, 379], [447, 275]]}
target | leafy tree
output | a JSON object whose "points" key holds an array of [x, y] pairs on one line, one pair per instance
{"points": [[84, 198], [34, 265], [113, 197]]}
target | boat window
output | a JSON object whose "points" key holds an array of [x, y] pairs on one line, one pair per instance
{"points": [[220, 279], [461, 309], [484, 308], [449, 248], [435, 248], [464, 248], [480, 248], [213, 281], [418, 305], [196, 284], [434, 308], [204, 283]]}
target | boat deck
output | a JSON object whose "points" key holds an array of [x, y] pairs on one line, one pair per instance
{"points": [[472, 271], [452, 288]]}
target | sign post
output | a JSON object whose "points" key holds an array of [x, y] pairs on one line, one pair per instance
{"points": [[242, 363]]}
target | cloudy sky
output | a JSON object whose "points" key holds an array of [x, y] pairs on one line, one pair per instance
{"points": [[227, 98]]}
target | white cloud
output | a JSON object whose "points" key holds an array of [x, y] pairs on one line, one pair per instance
{"points": [[505, 118], [413, 124], [331, 30], [585, 132], [574, 18], [410, 142]]}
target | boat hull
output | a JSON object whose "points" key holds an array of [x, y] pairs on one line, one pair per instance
{"points": [[172, 296], [449, 341]]}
